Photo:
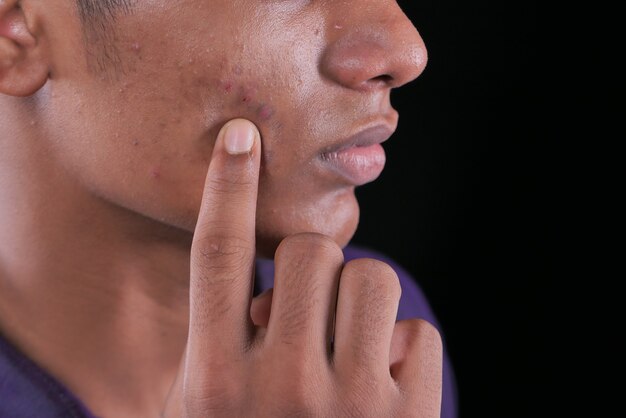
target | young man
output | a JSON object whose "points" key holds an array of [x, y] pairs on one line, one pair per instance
{"points": [[153, 156]]}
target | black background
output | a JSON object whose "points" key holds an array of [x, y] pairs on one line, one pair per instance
{"points": [[466, 200]]}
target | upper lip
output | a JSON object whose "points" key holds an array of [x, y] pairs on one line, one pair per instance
{"points": [[373, 134]]}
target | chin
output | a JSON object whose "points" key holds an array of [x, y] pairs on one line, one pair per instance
{"points": [[338, 221]]}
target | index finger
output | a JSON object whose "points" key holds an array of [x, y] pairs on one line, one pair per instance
{"points": [[223, 248]]}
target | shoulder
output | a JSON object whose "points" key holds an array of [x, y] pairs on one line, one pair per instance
{"points": [[26, 390]]}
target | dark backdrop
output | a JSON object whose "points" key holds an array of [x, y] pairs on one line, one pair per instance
{"points": [[465, 203]]}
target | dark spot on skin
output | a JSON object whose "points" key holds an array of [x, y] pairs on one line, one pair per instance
{"points": [[245, 99], [135, 142], [265, 112]]}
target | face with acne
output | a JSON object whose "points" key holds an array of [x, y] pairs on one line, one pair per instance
{"points": [[139, 130]]}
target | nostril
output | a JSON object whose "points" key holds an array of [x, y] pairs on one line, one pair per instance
{"points": [[386, 78]]}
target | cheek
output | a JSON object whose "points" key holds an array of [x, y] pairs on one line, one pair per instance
{"points": [[244, 97]]}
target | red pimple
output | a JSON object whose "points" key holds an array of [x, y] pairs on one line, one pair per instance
{"points": [[155, 173], [247, 94], [228, 87]]}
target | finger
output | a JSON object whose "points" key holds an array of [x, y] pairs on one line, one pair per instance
{"points": [[369, 293], [261, 308], [305, 291], [223, 249], [416, 360]]}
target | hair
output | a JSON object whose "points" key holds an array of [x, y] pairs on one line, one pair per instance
{"points": [[102, 10], [98, 18]]}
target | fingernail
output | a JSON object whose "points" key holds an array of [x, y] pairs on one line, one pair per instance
{"points": [[239, 137]]}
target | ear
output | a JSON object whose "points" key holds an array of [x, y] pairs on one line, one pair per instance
{"points": [[23, 67]]}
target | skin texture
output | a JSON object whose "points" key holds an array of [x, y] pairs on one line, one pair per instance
{"points": [[185, 70], [103, 169]]}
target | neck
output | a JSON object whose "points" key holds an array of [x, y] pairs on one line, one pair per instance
{"points": [[96, 294]]}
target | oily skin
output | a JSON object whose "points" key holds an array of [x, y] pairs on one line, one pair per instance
{"points": [[94, 264]]}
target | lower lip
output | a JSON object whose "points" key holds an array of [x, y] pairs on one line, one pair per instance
{"points": [[357, 165]]}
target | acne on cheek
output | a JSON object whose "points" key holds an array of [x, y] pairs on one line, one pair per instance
{"points": [[155, 173], [246, 97], [227, 87], [265, 112]]}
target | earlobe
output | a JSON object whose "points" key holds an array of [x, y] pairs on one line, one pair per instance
{"points": [[23, 67]]}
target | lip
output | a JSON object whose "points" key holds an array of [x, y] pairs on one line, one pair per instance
{"points": [[359, 159]]}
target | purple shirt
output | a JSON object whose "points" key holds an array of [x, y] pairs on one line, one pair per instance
{"points": [[27, 391]]}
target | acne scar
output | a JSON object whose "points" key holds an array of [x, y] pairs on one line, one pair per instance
{"points": [[155, 173], [135, 142]]}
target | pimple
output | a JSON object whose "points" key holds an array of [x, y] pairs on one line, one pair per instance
{"points": [[155, 173], [228, 87], [247, 95], [265, 112], [135, 47]]}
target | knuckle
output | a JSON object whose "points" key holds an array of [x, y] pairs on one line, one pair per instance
{"points": [[372, 279], [311, 245], [422, 330], [220, 252]]}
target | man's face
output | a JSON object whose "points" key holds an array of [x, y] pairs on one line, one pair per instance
{"points": [[310, 74]]}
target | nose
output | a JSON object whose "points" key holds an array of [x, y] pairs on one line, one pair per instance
{"points": [[372, 46]]}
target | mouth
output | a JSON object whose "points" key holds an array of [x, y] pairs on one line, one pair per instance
{"points": [[359, 159]]}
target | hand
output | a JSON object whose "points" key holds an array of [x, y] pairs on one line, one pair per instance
{"points": [[283, 363]]}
